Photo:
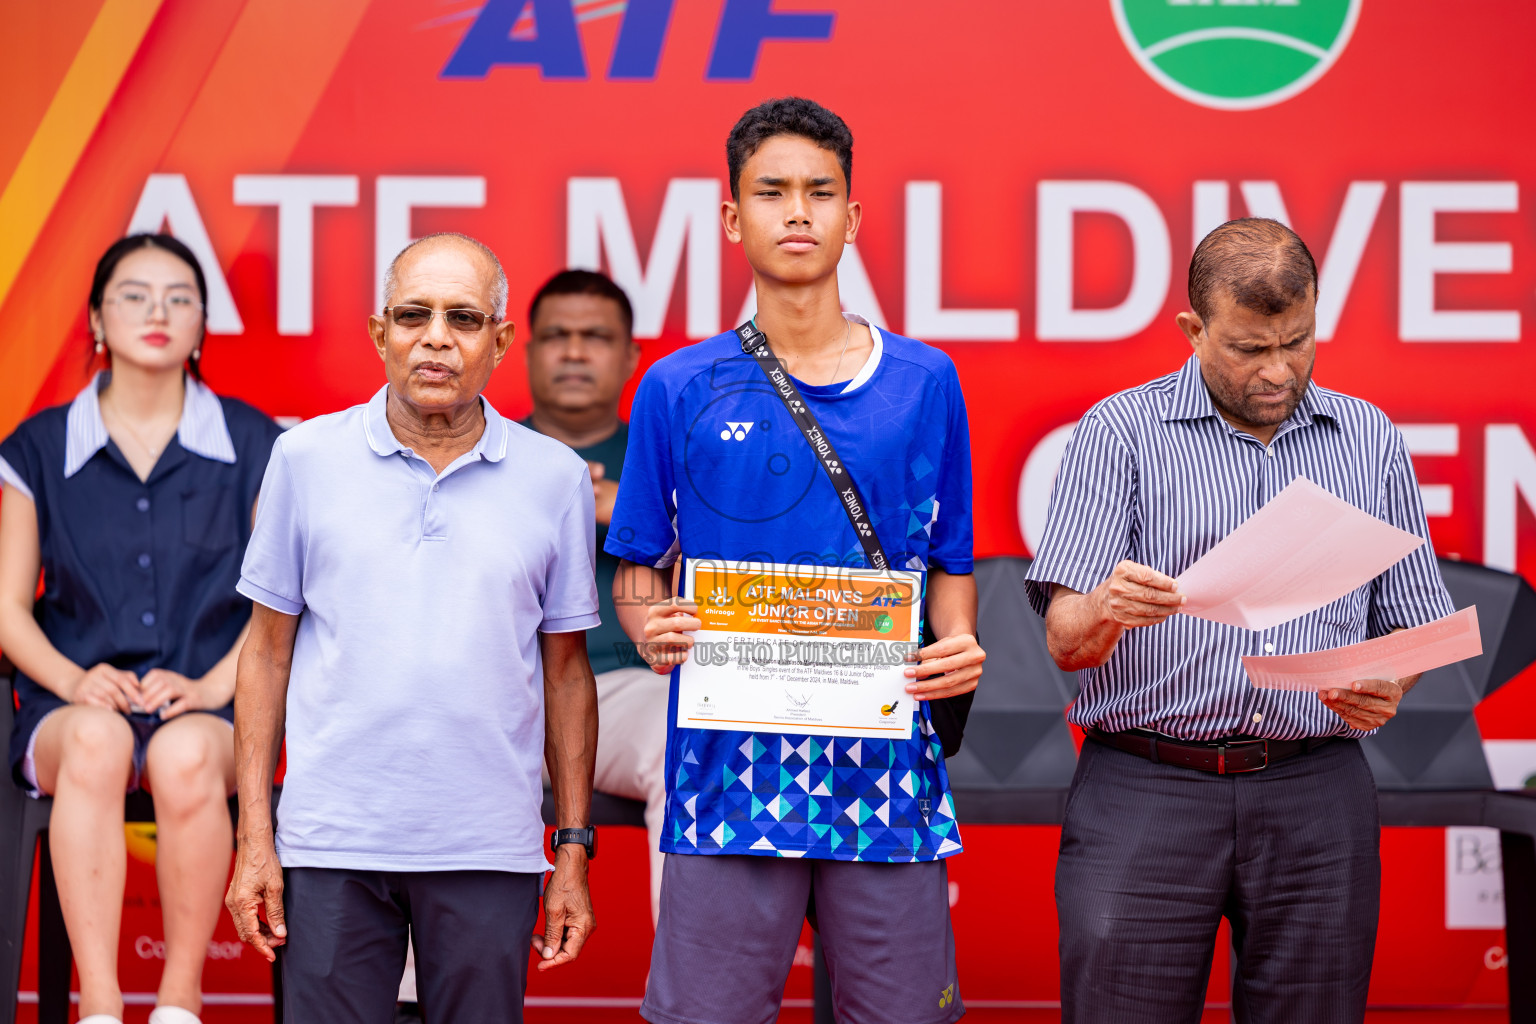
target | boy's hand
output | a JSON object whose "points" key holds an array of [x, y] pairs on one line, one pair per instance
{"points": [[666, 623]]}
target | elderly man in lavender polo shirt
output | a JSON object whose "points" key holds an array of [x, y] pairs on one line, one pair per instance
{"points": [[423, 576]]}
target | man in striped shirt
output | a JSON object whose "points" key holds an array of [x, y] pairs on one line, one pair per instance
{"points": [[1170, 823]]}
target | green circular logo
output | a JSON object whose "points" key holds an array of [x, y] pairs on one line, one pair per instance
{"points": [[884, 623], [1235, 54]]}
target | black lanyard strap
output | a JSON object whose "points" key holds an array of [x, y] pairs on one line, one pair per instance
{"points": [[755, 344], [947, 714]]}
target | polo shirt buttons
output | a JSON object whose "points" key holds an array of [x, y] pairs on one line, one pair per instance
{"points": [[142, 504], [144, 560], [148, 618], [1269, 452], [1257, 718], [1269, 648]]}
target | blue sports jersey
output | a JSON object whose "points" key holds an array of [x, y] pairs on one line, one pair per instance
{"points": [[717, 469]]}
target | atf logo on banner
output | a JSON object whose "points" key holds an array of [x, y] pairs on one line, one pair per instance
{"points": [[543, 33], [1235, 54]]}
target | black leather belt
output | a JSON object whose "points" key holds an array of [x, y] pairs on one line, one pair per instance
{"points": [[1220, 757]]}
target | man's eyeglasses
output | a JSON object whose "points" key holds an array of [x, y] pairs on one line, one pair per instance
{"points": [[416, 318], [138, 306]]}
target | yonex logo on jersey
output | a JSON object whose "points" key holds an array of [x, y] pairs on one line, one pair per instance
{"points": [[796, 406], [739, 431]]}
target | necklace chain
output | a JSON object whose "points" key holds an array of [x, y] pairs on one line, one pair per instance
{"points": [[122, 421], [847, 336]]}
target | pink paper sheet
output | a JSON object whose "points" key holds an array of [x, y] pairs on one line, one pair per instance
{"points": [[1404, 653], [1305, 549]]}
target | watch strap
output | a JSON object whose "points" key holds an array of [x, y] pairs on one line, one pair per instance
{"points": [[586, 837]]}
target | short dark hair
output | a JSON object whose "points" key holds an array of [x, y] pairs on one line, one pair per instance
{"points": [[1263, 264], [114, 255], [790, 115], [584, 282]]}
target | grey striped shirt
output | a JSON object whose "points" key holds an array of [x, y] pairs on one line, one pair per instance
{"points": [[1157, 476]]}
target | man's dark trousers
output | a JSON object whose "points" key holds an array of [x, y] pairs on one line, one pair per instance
{"points": [[1154, 855], [347, 937]]}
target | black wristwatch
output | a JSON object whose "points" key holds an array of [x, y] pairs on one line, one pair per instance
{"points": [[585, 836]]}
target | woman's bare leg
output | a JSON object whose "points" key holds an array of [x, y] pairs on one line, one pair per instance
{"points": [[190, 769], [84, 756]]}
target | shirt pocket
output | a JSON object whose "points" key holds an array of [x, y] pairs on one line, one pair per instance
{"points": [[209, 519]]}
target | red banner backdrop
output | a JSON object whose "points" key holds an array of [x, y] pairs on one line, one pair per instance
{"points": [[1034, 176]]}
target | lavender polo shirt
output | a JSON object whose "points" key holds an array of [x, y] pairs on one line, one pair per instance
{"points": [[416, 699]]}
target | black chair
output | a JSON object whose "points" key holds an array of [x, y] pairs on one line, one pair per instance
{"points": [[24, 831], [23, 835]]}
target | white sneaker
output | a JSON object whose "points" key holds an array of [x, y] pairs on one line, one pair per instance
{"points": [[171, 1015], [100, 1018]]}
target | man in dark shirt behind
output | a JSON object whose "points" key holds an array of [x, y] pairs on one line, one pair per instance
{"points": [[581, 352]]}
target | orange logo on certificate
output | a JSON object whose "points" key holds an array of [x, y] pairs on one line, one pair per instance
{"points": [[809, 601]]}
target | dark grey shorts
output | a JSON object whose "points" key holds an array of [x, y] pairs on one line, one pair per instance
{"points": [[730, 924]]}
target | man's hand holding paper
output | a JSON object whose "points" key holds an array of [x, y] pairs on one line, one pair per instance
{"points": [[1084, 629], [1366, 703], [1138, 595]]}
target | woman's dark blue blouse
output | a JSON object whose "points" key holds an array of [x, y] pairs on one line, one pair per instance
{"points": [[138, 574]]}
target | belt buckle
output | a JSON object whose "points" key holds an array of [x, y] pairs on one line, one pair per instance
{"points": [[1221, 758]]}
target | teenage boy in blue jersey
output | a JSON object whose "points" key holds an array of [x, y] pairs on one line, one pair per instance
{"points": [[758, 823]]}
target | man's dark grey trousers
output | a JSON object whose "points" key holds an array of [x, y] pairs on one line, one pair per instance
{"points": [[347, 936], [1154, 855]]}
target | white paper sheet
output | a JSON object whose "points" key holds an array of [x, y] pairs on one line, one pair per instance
{"points": [[1404, 653], [1305, 549], [808, 650]]}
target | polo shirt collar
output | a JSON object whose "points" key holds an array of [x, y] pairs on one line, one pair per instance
{"points": [[202, 430], [1191, 400], [492, 445]]}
